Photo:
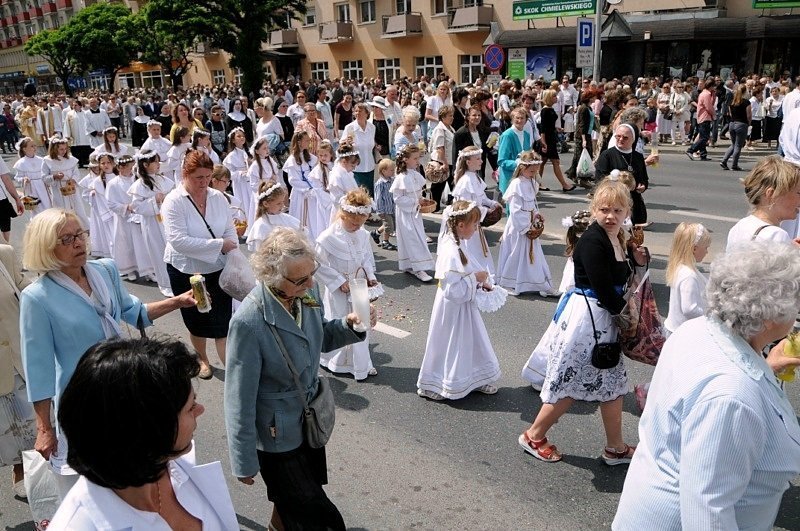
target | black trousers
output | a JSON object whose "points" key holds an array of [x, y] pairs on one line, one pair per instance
{"points": [[82, 154], [437, 189]]}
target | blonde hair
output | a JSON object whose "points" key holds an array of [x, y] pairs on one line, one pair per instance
{"points": [[461, 162], [549, 97], [41, 238], [770, 172], [615, 194], [525, 156], [684, 240], [471, 216], [385, 164], [357, 198], [625, 177], [280, 191]]}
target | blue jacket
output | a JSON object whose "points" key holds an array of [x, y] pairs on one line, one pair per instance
{"points": [[263, 410], [57, 327], [508, 149]]}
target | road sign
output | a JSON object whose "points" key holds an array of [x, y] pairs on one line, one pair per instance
{"points": [[494, 79], [584, 47], [494, 57], [552, 8]]}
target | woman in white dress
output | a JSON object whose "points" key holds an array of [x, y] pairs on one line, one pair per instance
{"points": [[522, 267], [262, 168], [665, 109], [687, 285], [101, 219], [587, 316], [29, 174], [459, 357], [270, 202], [147, 193], [320, 200], [413, 255], [342, 178], [176, 153], [344, 252], [111, 144], [60, 172], [129, 249], [298, 167], [470, 187], [773, 191]]}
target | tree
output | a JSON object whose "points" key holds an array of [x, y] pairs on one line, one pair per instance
{"points": [[169, 30], [240, 27], [104, 38], [56, 46]]}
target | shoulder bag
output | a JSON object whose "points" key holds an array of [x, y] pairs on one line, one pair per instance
{"points": [[604, 355]]}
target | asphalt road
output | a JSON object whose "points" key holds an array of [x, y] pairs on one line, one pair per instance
{"points": [[397, 461]]}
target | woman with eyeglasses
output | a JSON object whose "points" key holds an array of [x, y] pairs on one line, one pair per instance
{"points": [[624, 157], [282, 317], [74, 304]]}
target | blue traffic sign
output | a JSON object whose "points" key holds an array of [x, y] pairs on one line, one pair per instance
{"points": [[494, 57], [585, 31]]}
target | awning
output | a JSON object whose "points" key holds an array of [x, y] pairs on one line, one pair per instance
{"points": [[615, 28], [277, 55]]}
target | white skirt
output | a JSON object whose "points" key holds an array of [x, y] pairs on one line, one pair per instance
{"points": [[567, 344]]}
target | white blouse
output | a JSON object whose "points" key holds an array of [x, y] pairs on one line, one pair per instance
{"points": [[687, 297]]}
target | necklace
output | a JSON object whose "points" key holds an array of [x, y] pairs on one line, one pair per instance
{"points": [[628, 160], [158, 492]]}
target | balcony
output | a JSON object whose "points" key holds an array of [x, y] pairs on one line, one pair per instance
{"points": [[49, 6], [475, 18], [405, 25], [63, 4], [35, 12], [283, 38], [10, 20], [25, 16], [14, 41], [333, 32]]}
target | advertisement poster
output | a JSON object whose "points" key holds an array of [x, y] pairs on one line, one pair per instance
{"points": [[542, 61], [516, 63]]}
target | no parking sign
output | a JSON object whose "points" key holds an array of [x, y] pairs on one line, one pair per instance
{"points": [[494, 57]]}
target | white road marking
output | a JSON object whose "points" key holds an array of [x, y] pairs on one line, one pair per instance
{"points": [[391, 331], [702, 216]]}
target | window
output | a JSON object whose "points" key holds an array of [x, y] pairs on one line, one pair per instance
{"points": [[100, 82], [440, 7], [342, 12], [471, 67], [319, 71], [352, 69], [218, 77], [237, 77], [367, 11], [403, 7], [310, 18], [389, 69], [473, 3], [152, 79], [127, 81], [428, 66]]}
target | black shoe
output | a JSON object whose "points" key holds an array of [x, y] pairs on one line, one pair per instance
{"points": [[724, 165], [375, 236], [690, 155], [389, 246], [567, 190], [704, 158], [737, 168]]}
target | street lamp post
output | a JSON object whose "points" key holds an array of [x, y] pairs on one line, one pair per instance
{"points": [[597, 40]]}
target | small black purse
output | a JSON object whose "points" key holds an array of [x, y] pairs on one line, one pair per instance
{"points": [[604, 355]]}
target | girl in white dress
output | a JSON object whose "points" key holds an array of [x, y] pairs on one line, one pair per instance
{"points": [[238, 159], [413, 255], [201, 141], [147, 193], [298, 170], [220, 181], [320, 200], [101, 219], [522, 266], [111, 144], [342, 178], [60, 171], [270, 202], [174, 162], [536, 366], [129, 249], [156, 142], [262, 168], [687, 285], [459, 357], [29, 173], [344, 252], [470, 187]]}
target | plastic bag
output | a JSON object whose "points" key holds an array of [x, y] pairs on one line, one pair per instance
{"points": [[585, 169], [237, 278], [41, 487]]}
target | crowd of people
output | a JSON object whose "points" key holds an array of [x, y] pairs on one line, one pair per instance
{"points": [[296, 179]]}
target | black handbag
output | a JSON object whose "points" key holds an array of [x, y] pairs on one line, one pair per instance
{"points": [[604, 355]]}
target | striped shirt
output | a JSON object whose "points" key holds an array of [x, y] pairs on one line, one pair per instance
{"points": [[719, 440], [384, 200]]}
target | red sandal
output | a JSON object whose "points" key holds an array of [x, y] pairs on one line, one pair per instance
{"points": [[548, 455], [612, 457]]}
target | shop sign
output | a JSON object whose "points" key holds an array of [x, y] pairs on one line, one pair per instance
{"points": [[553, 8], [516, 62], [774, 4]]}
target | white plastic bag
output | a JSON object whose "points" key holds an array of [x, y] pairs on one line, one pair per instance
{"points": [[41, 487], [237, 278], [585, 169]]}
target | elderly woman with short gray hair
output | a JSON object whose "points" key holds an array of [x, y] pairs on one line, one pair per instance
{"points": [[719, 440], [282, 316]]}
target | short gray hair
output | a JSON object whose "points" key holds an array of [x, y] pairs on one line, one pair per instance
{"points": [[754, 283], [632, 115], [282, 246]]}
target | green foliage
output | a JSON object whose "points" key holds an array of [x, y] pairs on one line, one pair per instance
{"points": [[56, 46]]}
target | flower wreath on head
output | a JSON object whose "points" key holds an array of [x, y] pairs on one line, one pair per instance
{"points": [[153, 123], [234, 131], [57, 140], [269, 191], [364, 210], [146, 157], [123, 159], [580, 220], [111, 129], [346, 154]]}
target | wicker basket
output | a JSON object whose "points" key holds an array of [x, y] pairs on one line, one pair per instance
{"points": [[435, 172], [537, 227], [68, 188], [492, 217], [30, 202], [637, 236], [240, 224], [427, 206]]}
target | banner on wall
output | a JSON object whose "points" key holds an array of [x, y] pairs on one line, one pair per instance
{"points": [[517, 57], [542, 61]]}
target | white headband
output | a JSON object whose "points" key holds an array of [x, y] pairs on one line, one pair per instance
{"points": [[347, 154], [18, 145], [153, 122], [521, 162], [256, 144], [701, 230], [234, 131], [269, 191], [147, 157], [57, 140], [111, 129], [365, 210], [452, 213]]}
